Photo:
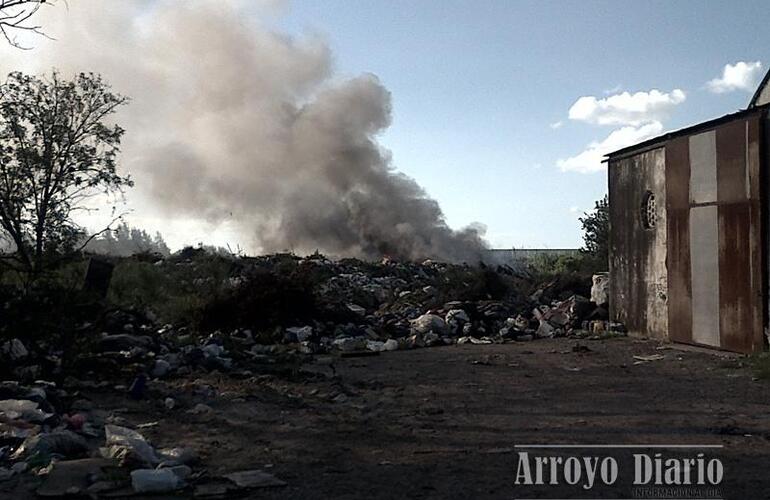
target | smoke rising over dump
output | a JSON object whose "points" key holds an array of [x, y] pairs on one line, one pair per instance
{"points": [[230, 122]]}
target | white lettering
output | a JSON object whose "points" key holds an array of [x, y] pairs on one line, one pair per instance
{"points": [[642, 468], [715, 471], [592, 464], [609, 470], [523, 473], [673, 474], [572, 470]]}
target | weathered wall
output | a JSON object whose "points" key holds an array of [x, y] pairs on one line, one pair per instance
{"points": [[714, 233], [638, 274]]}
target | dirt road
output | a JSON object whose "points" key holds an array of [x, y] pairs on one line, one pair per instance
{"points": [[444, 422]]}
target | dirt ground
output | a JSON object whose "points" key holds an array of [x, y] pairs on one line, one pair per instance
{"points": [[444, 422]]}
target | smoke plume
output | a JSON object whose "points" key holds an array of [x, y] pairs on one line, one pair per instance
{"points": [[233, 123]]}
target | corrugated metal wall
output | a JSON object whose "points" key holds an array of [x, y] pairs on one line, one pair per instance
{"points": [[714, 237], [702, 267]]}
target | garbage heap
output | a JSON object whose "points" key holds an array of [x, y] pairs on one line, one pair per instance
{"points": [[262, 321], [290, 306], [86, 451]]}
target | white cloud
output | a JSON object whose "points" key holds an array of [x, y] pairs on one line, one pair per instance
{"points": [[739, 76], [574, 209], [626, 108], [590, 160], [557, 125]]}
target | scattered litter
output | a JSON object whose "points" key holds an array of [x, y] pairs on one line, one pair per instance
{"points": [[43, 447], [171, 457], [647, 358], [254, 479], [21, 409], [72, 477], [358, 309], [128, 446], [155, 480]]}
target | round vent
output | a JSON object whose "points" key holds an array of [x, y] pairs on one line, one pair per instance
{"points": [[649, 215]]}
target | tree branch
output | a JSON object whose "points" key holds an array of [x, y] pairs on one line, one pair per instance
{"points": [[14, 16]]}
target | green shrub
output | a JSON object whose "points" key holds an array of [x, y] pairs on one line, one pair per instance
{"points": [[173, 292]]}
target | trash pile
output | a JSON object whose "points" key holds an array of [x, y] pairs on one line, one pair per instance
{"points": [[276, 311], [403, 312], [283, 305], [375, 307], [87, 451]]}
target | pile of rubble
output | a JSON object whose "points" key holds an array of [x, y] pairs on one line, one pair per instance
{"points": [[403, 312], [357, 309]]}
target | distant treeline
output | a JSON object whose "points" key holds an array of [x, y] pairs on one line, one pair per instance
{"points": [[124, 241]]}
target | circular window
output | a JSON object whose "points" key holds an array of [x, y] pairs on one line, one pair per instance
{"points": [[649, 215]]}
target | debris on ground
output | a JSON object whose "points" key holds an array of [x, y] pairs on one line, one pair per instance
{"points": [[254, 479], [600, 290], [282, 305], [646, 358], [264, 323]]}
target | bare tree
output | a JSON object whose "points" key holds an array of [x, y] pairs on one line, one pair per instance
{"points": [[17, 15], [57, 151]]}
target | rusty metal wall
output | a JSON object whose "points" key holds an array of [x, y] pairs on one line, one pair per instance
{"points": [[715, 263], [678, 230], [638, 284]]}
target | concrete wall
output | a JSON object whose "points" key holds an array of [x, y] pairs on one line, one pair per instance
{"points": [[638, 274]]}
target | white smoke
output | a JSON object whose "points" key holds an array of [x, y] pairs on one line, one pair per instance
{"points": [[234, 125]]}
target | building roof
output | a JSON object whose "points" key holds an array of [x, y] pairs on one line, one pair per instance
{"points": [[760, 89], [655, 141], [755, 105]]}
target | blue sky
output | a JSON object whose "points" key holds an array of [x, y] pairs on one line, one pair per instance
{"points": [[478, 86], [501, 109]]}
